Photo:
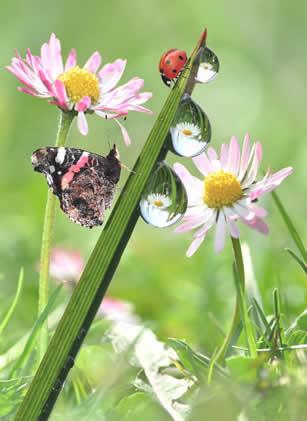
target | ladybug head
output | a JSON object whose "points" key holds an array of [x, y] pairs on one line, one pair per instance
{"points": [[166, 80]]}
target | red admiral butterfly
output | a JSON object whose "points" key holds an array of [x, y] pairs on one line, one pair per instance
{"points": [[83, 181]]}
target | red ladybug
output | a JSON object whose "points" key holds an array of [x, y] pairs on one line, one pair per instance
{"points": [[171, 64]]}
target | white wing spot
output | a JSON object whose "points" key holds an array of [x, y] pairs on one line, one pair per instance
{"points": [[60, 155], [52, 168]]}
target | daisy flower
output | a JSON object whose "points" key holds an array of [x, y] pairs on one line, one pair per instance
{"points": [[186, 139], [155, 209], [227, 193], [81, 90]]}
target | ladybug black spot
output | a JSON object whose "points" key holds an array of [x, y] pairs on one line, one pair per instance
{"points": [[167, 62], [180, 57], [174, 71], [161, 70]]}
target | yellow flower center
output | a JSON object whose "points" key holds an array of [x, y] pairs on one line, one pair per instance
{"points": [[187, 132], [158, 203], [221, 189], [80, 83]]}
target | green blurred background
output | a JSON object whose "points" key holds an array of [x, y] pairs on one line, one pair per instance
{"points": [[261, 89]]}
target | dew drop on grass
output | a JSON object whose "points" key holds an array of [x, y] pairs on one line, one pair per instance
{"points": [[164, 200], [209, 66], [190, 131]]}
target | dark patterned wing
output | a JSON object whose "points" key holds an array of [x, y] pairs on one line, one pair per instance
{"points": [[84, 182]]}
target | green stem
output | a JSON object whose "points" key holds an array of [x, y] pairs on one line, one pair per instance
{"points": [[63, 128], [240, 285], [236, 315]]}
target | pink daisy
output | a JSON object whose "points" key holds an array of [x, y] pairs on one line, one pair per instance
{"points": [[227, 193], [79, 90]]}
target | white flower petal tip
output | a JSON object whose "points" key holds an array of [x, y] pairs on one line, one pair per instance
{"points": [[227, 192], [45, 76]]}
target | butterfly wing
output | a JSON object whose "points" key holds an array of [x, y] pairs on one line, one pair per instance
{"points": [[84, 182]]}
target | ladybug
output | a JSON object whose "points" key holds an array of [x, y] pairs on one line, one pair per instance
{"points": [[171, 64]]}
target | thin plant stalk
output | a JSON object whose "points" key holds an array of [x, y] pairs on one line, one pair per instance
{"points": [[63, 128], [240, 305]]}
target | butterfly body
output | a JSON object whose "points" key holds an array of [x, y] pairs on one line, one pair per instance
{"points": [[83, 181]]}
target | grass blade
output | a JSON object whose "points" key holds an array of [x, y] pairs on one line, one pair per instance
{"points": [[292, 230], [298, 259], [12, 307]]}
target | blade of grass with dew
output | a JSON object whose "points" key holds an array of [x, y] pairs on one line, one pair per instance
{"points": [[292, 230], [103, 261], [12, 307]]}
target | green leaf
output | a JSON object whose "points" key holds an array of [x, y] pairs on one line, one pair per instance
{"points": [[103, 261], [12, 307], [298, 259], [292, 230], [193, 361], [243, 368]]}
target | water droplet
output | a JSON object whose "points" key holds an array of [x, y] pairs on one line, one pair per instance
{"points": [[208, 66], [190, 131], [164, 200]]}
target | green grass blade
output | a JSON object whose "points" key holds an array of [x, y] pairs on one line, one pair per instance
{"points": [[31, 342], [292, 230], [102, 263], [298, 259], [12, 307]]}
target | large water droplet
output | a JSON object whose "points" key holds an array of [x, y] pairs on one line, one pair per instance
{"points": [[208, 66], [164, 200], [190, 131]]}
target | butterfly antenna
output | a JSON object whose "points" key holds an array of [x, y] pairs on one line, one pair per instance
{"points": [[127, 168]]}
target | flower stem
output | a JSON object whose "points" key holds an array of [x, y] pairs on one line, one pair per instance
{"points": [[63, 128], [240, 311]]}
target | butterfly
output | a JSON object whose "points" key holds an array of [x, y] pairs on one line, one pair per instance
{"points": [[83, 181]]}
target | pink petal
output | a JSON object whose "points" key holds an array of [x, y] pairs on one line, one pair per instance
{"points": [[111, 73], [269, 183], [244, 156], [60, 94], [125, 134], [193, 185], [71, 60], [234, 230], [234, 156], [206, 225], [252, 173], [212, 155], [194, 221], [219, 240], [93, 63], [83, 104], [243, 211], [259, 211], [51, 57], [224, 154], [82, 123], [194, 246], [258, 224], [203, 164], [27, 91]]}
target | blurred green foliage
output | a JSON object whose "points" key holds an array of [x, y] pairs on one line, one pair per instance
{"points": [[261, 89]]}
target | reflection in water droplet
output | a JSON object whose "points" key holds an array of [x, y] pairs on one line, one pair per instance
{"points": [[190, 131], [209, 66], [164, 200]]}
